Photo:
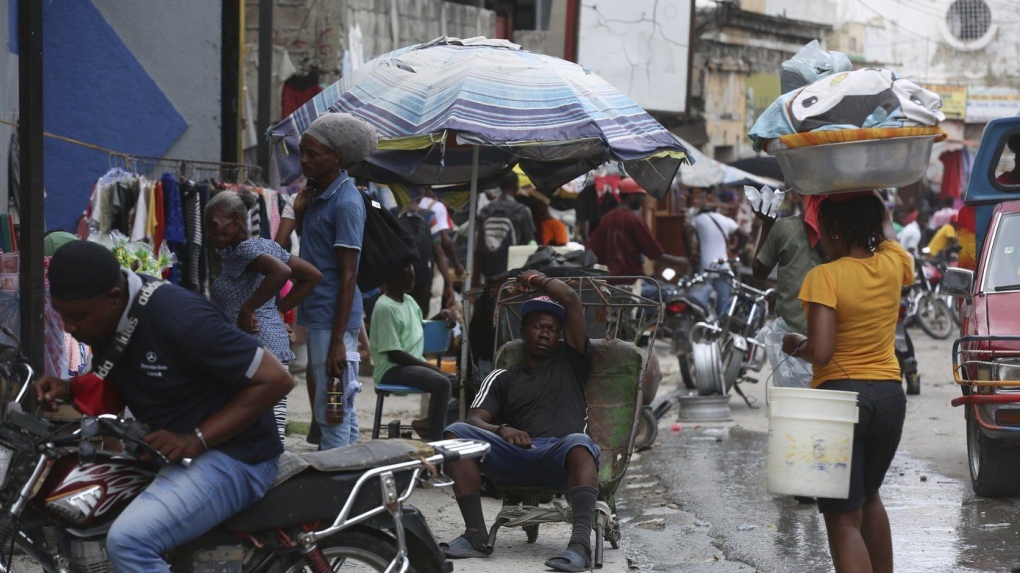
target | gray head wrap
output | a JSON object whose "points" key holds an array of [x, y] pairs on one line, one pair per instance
{"points": [[353, 137]]}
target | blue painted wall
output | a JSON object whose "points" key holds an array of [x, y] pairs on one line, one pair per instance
{"points": [[94, 91], [137, 77]]}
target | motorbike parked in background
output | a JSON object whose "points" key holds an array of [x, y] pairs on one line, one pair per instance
{"points": [[905, 348], [717, 352], [63, 485], [688, 304], [927, 307]]}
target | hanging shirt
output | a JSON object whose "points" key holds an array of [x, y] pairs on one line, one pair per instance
{"points": [[141, 218]]}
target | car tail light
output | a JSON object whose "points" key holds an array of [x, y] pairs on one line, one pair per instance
{"points": [[676, 307]]}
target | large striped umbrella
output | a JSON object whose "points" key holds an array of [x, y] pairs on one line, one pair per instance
{"points": [[433, 104], [453, 111]]}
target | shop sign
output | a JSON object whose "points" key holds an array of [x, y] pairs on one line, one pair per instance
{"points": [[985, 104], [954, 99]]}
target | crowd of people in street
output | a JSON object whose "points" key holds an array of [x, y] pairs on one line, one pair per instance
{"points": [[211, 378]]}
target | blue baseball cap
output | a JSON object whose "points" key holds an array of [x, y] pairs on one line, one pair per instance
{"points": [[544, 304]]}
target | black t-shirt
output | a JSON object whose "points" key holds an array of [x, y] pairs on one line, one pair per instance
{"points": [[184, 363], [547, 401]]}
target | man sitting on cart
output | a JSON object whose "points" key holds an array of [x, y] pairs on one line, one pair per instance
{"points": [[534, 415]]}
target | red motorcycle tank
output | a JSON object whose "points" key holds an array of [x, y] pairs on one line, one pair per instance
{"points": [[93, 494]]}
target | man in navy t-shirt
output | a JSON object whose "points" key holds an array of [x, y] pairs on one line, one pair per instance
{"points": [[534, 415], [205, 389]]}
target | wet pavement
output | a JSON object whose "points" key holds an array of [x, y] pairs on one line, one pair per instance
{"points": [[697, 501], [707, 484]]}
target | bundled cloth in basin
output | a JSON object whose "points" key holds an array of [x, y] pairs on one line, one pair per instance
{"points": [[862, 99]]}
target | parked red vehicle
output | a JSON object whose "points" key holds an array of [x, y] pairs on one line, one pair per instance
{"points": [[986, 358]]}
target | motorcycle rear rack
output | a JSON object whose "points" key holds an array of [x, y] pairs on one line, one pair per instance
{"points": [[446, 451]]}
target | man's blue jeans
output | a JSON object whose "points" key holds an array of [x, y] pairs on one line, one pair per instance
{"points": [[182, 504], [723, 292], [346, 432]]}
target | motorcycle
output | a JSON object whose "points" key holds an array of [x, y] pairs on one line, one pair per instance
{"points": [[720, 350], [64, 485], [687, 305], [927, 306], [904, 347]]}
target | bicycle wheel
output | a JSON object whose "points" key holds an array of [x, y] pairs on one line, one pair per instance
{"points": [[934, 317]]}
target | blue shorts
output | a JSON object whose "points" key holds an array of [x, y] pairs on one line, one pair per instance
{"points": [[545, 464]]}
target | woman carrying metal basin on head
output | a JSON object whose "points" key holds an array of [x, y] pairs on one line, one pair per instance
{"points": [[852, 304]]}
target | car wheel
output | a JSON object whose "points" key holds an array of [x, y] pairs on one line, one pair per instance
{"points": [[706, 362], [993, 464]]}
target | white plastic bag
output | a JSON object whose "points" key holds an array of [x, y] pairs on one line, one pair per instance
{"points": [[767, 201], [809, 65], [787, 371]]}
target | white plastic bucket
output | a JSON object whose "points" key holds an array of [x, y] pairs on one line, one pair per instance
{"points": [[811, 439]]}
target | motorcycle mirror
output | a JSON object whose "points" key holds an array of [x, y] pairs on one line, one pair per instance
{"points": [[86, 452], [89, 427], [668, 273]]}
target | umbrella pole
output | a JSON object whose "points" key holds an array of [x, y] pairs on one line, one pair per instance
{"points": [[469, 274]]}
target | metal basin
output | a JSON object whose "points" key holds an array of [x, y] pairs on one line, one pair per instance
{"points": [[705, 409], [856, 165]]}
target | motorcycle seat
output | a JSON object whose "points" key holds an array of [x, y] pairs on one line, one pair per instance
{"points": [[315, 486], [309, 497]]}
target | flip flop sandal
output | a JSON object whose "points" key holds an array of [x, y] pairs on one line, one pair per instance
{"points": [[462, 548], [570, 560]]}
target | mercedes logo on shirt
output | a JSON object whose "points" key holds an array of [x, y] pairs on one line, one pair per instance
{"points": [[150, 356]]}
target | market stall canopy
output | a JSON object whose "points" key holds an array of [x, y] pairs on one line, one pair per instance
{"points": [[707, 172], [433, 103], [760, 165]]}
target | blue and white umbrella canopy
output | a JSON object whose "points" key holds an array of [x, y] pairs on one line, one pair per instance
{"points": [[433, 103]]}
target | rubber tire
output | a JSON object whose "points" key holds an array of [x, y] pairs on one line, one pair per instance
{"points": [[733, 361], [647, 429], [938, 312], [913, 383], [685, 372], [993, 465], [367, 549]]}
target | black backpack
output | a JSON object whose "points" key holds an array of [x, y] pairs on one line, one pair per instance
{"points": [[385, 246], [497, 235], [417, 225]]}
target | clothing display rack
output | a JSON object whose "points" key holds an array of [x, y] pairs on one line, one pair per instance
{"points": [[188, 168]]}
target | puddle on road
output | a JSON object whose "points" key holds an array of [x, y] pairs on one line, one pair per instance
{"points": [[938, 524]]}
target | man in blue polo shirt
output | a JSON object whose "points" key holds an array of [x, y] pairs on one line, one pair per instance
{"points": [[205, 389], [330, 216]]}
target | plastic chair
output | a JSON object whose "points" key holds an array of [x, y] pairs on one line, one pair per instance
{"points": [[437, 339]]}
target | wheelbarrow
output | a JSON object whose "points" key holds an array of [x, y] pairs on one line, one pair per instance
{"points": [[614, 404]]}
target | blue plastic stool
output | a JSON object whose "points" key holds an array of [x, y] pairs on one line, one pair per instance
{"points": [[437, 340]]}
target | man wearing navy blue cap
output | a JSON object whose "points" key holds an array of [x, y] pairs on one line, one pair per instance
{"points": [[534, 415]]}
